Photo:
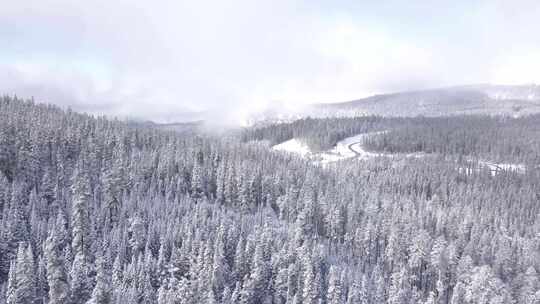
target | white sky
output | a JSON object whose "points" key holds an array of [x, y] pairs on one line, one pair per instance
{"points": [[159, 59]]}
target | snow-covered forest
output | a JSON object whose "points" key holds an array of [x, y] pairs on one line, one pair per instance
{"points": [[492, 137], [94, 210]]}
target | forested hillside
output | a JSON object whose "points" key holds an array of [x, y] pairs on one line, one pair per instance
{"points": [[101, 211], [318, 134], [471, 100], [490, 137], [495, 138], [480, 99]]}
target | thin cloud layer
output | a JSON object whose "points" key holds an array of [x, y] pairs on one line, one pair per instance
{"points": [[156, 60]]}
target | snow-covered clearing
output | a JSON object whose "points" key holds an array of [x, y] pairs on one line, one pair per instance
{"points": [[350, 147], [493, 167], [497, 167], [293, 146]]}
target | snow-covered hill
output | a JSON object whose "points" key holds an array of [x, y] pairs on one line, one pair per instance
{"points": [[529, 92], [483, 99]]}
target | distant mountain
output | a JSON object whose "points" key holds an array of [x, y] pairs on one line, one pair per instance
{"points": [[529, 92], [474, 99], [470, 99]]}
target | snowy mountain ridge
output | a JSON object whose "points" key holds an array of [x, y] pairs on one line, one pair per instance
{"points": [[482, 99]]}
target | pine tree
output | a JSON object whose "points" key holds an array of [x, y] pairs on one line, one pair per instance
{"points": [[485, 287], [117, 272], [102, 290], [399, 290], [256, 287], [80, 221], [81, 280], [431, 299], [221, 183], [280, 286], [17, 223], [81, 284], [112, 181], [12, 284], [531, 285], [226, 297], [149, 294], [163, 295], [47, 187], [56, 273], [197, 178], [137, 235], [312, 284], [464, 272], [305, 222], [236, 294], [240, 260], [335, 291], [378, 281], [220, 268], [22, 280]]}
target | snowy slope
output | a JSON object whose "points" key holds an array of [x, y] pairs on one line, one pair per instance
{"points": [[350, 147], [294, 146]]}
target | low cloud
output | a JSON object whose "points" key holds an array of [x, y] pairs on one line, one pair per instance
{"points": [[160, 60]]}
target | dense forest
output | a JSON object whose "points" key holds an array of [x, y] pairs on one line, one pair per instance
{"points": [[94, 210], [319, 134], [497, 138]]}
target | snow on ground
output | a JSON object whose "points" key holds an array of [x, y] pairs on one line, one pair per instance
{"points": [[498, 167], [347, 148], [494, 168], [293, 146], [351, 147]]}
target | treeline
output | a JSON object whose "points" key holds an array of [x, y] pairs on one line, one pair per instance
{"points": [[319, 134], [490, 137], [494, 138], [99, 211]]}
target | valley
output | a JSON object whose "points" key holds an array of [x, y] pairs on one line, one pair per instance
{"points": [[375, 207]]}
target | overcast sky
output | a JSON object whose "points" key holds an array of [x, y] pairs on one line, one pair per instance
{"points": [[158, 59]]}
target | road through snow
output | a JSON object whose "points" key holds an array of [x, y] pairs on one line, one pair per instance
{"points": [[351, 148], [360, 152]]}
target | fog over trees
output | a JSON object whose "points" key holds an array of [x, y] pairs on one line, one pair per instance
{"points": [[95, 210]]}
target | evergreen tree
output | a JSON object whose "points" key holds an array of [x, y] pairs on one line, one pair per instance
{"points": [[102, 290], [80, 221], [335, 291], [56, 273], [22, 284], [81, 280]]}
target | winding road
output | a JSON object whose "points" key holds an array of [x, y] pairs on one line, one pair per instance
{"points": [[361, 152], [353, 150]]}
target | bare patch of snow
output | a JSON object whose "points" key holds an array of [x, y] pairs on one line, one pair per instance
{"points": [[350, 147], [493, 167], [499, 167], [293, 146]]}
